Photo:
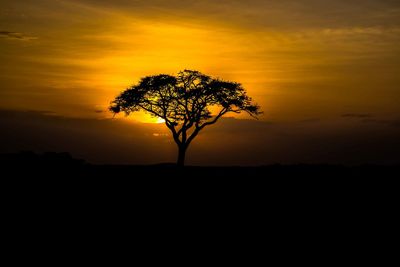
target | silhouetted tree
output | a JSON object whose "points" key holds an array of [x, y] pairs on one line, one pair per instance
{"points": [[184, 102]]}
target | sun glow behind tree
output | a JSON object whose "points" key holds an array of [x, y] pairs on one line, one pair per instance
{"points": [[184, 103]]}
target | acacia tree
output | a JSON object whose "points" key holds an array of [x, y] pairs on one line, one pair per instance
{"points": [[184, 102]]}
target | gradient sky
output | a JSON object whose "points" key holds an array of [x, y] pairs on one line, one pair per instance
{"points": [[326, 62]]}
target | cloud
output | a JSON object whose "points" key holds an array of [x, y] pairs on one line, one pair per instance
{"points": [[369, 118], [357, 115], [361, 31], [96, 140], [392, 123], [230, 142], [16, 36], [269, 13]]}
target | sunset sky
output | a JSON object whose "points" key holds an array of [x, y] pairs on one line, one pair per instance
{"points": [[325, 70]]}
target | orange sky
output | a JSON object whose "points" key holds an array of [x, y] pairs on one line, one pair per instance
{"points": [[325, 73], [298, 59]]}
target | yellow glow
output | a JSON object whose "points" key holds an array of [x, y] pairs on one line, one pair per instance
{"points": [[143, 118], [159, 120], [86, 53], [167, 48], [149, 119]]}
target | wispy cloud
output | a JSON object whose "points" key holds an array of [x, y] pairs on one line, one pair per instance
{"points": [[393, 123], [361, 31], [16, 36], [369, 118], [357, 115]]}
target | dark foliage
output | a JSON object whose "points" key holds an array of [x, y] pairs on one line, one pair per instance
{"points": [[184, 103]]}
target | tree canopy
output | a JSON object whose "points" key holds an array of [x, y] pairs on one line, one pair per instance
{"points": [[184, 102]]}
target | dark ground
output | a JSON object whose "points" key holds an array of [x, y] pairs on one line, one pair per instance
{"points": [[56, 180], [267, 208], [55, 183]]}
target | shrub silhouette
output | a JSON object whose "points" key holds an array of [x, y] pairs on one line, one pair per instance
{"points": [[184, 102]]}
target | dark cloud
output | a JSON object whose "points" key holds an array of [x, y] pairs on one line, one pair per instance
{"points": [[392, 123], [101, 141], [357, 115], [230, 142], [16, 36], [369, 118]]}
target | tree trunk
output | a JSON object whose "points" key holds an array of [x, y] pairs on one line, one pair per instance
{"points": [[181, 155]]}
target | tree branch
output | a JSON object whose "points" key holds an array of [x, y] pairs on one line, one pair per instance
{"points": [[173, 130], [216, 118]]}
